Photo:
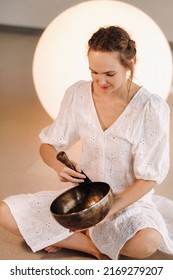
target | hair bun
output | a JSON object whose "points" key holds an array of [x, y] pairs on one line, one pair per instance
{"points": [[131, 47]]}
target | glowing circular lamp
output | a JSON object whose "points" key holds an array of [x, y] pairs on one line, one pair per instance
{"points": [[60, 57]]}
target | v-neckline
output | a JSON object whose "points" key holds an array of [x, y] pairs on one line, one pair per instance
{"points": [[120, 116]]}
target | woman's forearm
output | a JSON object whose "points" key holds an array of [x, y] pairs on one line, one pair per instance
{"points": [[48, 154], [130, 195], [65, 174]]}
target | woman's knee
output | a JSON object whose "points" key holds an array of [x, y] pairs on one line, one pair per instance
{"points": [[145, 243], [7, 220], [151, 240], [3, 211]]}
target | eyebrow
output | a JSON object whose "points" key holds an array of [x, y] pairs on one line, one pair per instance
{"points": [[111, 71]]}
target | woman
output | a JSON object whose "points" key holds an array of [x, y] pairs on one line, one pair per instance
{"points": [[124, 133]]}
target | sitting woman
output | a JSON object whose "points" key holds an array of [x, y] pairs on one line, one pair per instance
{"points": [[124, 130]]}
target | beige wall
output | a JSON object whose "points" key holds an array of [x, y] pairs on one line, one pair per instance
{"points": [[38, 13]]}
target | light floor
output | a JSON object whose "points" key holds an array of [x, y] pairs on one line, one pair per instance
{"points": [[21, 119]]}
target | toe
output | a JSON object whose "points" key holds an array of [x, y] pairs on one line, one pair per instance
{"points": [[52, 249]]}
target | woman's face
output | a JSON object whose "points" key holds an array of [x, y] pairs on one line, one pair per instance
{"points": [[106, 71]]}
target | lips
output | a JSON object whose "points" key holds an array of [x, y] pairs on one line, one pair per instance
{"points": [[104, 87]]}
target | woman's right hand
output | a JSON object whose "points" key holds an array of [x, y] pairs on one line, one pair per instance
{"points": [[67, 174]]}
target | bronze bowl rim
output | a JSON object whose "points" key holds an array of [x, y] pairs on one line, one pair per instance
{"points": [[86, 209]]}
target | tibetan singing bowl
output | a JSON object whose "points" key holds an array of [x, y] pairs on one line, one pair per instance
{"points": [[82, 206]]}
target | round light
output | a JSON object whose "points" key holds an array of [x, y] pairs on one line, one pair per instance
{"points": [[61, 54]]}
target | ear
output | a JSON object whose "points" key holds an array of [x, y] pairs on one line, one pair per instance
{"points": [[132, 62], [128, 73]]}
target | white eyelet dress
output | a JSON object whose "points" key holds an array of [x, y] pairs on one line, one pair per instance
{"points": [[135, 146]]}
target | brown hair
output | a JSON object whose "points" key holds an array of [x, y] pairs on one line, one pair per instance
{"points": [[114, 38]]}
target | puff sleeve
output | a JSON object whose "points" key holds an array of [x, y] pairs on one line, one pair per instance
{"points": [[63, 132], [151, 147]]}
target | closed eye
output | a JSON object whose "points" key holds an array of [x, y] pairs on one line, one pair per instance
{"points": [[110, 74], [92, 72]]}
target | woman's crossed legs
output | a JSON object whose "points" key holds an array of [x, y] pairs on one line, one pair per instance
{"points": [[143, 244]]}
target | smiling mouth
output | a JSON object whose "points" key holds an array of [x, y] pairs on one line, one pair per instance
{"points": [[105, 87]]}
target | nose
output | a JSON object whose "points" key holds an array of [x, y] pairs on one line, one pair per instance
{"points": [[101, 79]]}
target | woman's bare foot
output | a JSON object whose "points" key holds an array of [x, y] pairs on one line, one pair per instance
{"points": [[52, 249], [79, 241], [101, 256]]}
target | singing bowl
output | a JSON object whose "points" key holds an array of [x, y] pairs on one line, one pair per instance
{"points": [[82, 206]]}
